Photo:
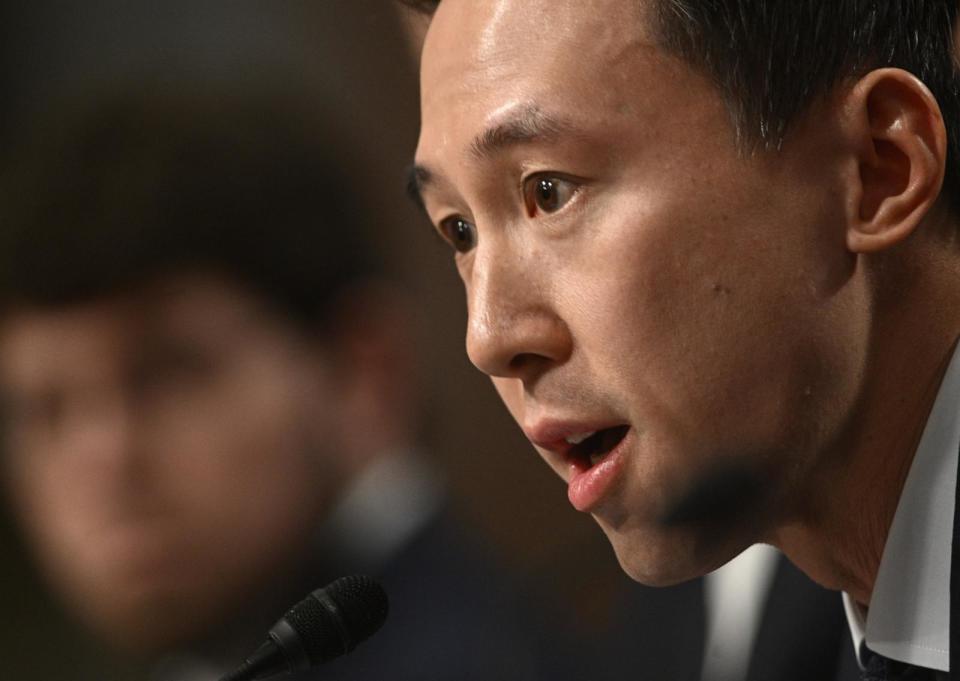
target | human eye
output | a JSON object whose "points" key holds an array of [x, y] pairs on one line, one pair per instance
{"points": [[33, 412], [171, 364], [545, 194], [459, 233]]}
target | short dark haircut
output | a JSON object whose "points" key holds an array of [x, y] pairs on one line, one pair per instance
{"points": [[136, 186], [771, 59]]}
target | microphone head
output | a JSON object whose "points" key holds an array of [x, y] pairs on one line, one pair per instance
{"points": [[332, 620], [721, 494]]}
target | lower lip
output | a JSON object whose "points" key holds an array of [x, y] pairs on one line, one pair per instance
{"points": [[588, 486]]}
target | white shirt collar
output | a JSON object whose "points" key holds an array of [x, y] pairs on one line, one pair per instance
{"points": [[909, 615], [392, 499]]}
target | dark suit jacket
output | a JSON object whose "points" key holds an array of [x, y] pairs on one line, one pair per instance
{"points": [[455, 617], [803, 634]]}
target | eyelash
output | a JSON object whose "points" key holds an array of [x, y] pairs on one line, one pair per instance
{"points": [[460, 233], [531, 184], [451, 227]]}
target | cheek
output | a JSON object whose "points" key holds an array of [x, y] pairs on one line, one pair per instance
{"points": [[62, 518], [717, 320], [245, 458], [53, 493]]}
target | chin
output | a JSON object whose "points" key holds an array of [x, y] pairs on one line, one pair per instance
{"points": [[140, 618], [664, 557]]}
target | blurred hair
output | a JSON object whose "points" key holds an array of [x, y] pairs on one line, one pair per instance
{"points": [[771, 59], [132, 186]]}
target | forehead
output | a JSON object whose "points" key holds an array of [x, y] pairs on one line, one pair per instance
{"points": [[89, 337], [481, 57], [487, 34]]}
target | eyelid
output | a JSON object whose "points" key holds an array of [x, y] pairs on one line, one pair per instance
{"points": [[527, 180], [449, 239], [437, 228], [447, 212], [441, 204]]}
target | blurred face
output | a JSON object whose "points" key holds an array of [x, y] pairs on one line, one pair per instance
{"points": [[164, 451], [650, 304]]}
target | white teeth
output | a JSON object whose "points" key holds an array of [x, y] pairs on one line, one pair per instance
{"points": [[578, 438]]}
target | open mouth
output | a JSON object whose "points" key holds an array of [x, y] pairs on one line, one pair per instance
{"points": [[591, 450]]}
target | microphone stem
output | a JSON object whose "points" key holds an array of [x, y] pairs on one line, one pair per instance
{"points": [[241, 673], [265, 661]]}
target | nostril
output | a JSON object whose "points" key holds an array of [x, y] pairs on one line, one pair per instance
{"points": [[511, 344], [517, 363], [526, 362]]}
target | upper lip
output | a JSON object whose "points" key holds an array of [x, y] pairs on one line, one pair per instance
{"points": [[551, 435]]}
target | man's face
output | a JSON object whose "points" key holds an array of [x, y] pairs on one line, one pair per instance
{"points": [[630, 276], [163, 451]]}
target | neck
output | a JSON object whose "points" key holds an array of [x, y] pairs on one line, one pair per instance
{"points": [[838, 539]]}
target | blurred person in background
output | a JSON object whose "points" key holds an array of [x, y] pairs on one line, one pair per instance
{"points": [[209, 405]]}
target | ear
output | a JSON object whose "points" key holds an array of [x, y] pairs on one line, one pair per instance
{"points": [[901, 146]]}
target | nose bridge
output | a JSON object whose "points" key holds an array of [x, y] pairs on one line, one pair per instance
{"points": [[512, 325], [100, 427]]}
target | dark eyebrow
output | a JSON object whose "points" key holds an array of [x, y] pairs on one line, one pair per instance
{"points": [[417, 178], [527, 125]]}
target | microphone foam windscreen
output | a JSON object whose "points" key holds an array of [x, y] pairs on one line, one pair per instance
{"points": [[332, 620], [363, 603]]}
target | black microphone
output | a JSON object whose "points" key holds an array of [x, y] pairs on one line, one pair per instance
{"points": [[326, 624], [720, 494]]}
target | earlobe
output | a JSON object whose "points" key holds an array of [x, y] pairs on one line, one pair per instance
{"points": [[901, 147]]}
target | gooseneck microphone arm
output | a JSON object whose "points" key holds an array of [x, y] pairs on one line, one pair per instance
{"points": [[266, 660], [324, 625]]}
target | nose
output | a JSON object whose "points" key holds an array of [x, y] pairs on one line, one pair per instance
{"points": [[513, 328], [101, 435]]}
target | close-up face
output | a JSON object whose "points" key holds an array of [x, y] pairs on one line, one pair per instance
{"points": [[163, 451], [651, 303]]}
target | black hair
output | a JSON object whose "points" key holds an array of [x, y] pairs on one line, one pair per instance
{"points": [[136, 186], [771, 59]]}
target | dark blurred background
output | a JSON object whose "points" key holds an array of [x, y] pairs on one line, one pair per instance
{"points": [[356, 59]]}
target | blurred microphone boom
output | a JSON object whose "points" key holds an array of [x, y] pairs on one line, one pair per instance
{"points": [[721, 494], [326, 624]]}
